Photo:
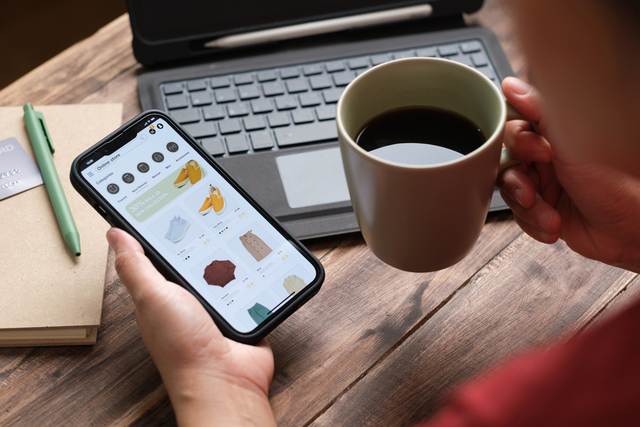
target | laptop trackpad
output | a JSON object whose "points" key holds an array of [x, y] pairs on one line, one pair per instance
{"points": [[313, 177]]}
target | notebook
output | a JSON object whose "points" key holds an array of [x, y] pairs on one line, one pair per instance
{"points": [[264, 106], [48, 296]]}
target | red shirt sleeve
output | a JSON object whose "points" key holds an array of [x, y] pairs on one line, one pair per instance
{"points": [[592, 379]]}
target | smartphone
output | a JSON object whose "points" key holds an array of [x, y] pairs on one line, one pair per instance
{"points": [[198, 225]]}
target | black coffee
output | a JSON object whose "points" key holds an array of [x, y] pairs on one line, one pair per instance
{"points": [[420, 136]]}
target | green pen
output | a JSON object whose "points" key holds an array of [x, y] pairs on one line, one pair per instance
{"points": [[43, 147]]}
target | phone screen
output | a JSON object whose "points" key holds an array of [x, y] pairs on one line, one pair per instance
{"points": [[200, 224]]}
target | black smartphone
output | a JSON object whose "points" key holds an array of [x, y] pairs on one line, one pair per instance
{"points": [[198, 225]]}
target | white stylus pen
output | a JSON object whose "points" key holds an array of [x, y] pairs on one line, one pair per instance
{"points": [[322, 27]]}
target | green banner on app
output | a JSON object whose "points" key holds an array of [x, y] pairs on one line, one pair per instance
{"points": [[165, 191]]}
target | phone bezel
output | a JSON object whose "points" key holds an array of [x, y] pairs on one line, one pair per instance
{"points": [[104, 208]]}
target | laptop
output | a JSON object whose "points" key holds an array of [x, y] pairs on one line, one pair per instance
{"points": [[256, 83]]}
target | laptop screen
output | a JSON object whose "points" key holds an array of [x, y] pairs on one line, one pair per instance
{"points": [[158, 21]]}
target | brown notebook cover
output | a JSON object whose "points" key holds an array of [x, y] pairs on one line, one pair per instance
{"points": [[48, 296]]}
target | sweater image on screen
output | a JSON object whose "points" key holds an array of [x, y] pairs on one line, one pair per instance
{"points": [[293, 284], [219, 273]]}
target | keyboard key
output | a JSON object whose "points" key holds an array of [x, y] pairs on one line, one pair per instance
{"points": [[379, 59], [195, 85], [463, 59], [310, 70], [172, 88], [448, 50], [479, 59], [471, 47], [243, 79], [427, 52], [357, 63], [310, 99], [286, 103], [403, 54], [332, 96], [320, 82], [200, 130], [334, 66], [218, 82], [213, 146], [314, 132], [261, 106], [201, 98], [177, 101], [248, 92], [343, 78], [488, 71], [190, 115], [261, 140], [254, 123], [266, 76], [237, 109], [225, 95], [289, 72], [272, 89], [303, 116], [278, 119], [326, 112], [237, 144], [214, 112], [228, 126], [296, 85]]}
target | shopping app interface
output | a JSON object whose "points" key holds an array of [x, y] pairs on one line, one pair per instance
{"points": [[231, 255]]}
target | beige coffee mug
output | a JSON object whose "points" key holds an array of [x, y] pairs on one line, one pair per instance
{"points": [[414, 217]]}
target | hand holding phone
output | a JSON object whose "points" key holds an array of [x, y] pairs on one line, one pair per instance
{"points": [[220, 376], [197, 225]]}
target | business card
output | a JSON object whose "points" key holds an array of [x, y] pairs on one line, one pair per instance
{"points": [[18, 171]]}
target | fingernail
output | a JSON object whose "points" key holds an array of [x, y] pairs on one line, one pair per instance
{"points": [[544, 219], [112, 238], [519, 87], [517, 195]]}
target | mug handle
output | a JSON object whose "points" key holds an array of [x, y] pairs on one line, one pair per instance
{"points": [[506, 159]]}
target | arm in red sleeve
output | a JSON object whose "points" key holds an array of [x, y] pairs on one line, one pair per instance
{"points": [[592, 379]]}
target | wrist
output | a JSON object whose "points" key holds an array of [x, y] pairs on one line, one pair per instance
{"points": [[200, 398]]}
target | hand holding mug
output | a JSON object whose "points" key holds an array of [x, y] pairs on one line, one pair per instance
{"points": [[554, 193]]}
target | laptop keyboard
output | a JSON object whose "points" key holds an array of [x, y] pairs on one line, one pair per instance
{"points": [[277, 108]]}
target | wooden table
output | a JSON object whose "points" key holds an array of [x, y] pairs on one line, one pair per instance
{"points": [[376, 346]]}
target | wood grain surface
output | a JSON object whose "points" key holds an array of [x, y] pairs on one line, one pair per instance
{"points": [[376, 346]]}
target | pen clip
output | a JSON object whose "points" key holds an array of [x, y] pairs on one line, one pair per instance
{"points": [[45, 130]]}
